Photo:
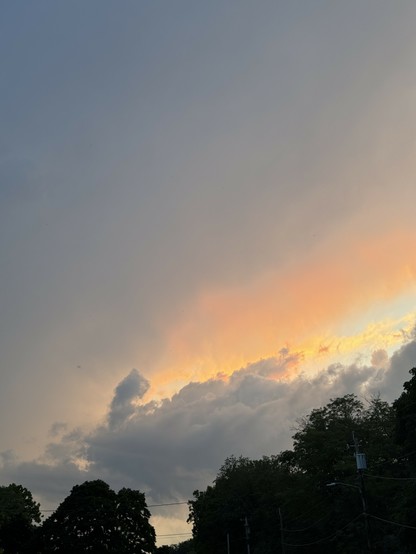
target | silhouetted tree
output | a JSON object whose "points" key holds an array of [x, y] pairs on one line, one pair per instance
{"points": [[314, 516], [93, 518], [185, 547], [18, 515]]}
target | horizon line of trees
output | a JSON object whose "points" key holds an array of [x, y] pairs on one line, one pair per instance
{"points": [[280, 503], [313, 498], [92, 518]]}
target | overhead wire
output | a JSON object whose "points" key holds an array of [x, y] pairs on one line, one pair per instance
{"points": [[148, 506], [174, 535], [311, 509], [395, 459], [392, 522], [167, 504], [390, 478], [327, 538], [308, 527]]}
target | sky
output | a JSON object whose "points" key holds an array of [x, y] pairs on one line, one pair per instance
{"points": [[206, 230]]}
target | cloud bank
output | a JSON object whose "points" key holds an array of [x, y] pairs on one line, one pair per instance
{"points": [[169, 448]]}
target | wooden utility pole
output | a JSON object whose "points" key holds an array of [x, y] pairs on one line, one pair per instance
{"points": [[247, 529], [361, 466], [282, 540]]}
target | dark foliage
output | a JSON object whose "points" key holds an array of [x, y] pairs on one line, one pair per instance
{"points": [[93, 518], [309, 499], [18, 514], [313, 498], [186, 547]]}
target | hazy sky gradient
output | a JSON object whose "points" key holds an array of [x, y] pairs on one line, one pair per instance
{"points": [[192, 188]]}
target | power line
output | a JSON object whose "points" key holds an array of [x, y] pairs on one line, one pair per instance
{"points": [[308, 511], [308, 527], [392, 460], [329, 537], [392, 522], [174, 535], [391, 478], [148, 506], [167, 504]]}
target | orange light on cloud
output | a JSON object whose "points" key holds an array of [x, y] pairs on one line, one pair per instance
{"points": [[305, 307]]}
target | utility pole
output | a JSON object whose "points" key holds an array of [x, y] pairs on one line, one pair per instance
{"points": [[228, 543], [282, 541], [247, 530], [361, 466]]}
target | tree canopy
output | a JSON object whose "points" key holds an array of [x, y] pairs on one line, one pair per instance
{"points": [[313, 498], [18, 515], [94, 518], [185, 547]]}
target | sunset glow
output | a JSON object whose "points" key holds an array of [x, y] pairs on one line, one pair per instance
{"points": [[309, 308], [207, 230]]}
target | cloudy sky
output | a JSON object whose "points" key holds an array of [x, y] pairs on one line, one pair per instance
{"points": [[206, 228]]}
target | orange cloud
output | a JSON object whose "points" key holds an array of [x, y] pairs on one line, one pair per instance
{"points": [[303, 307]]}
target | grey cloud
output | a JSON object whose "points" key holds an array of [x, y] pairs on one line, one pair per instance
{"points": [[400, 363], [68, 449], [171, 447], [250, 414], [57, 428], [131, 388], [7, 459], [273, 367], [380, 358], [49, 483]]}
